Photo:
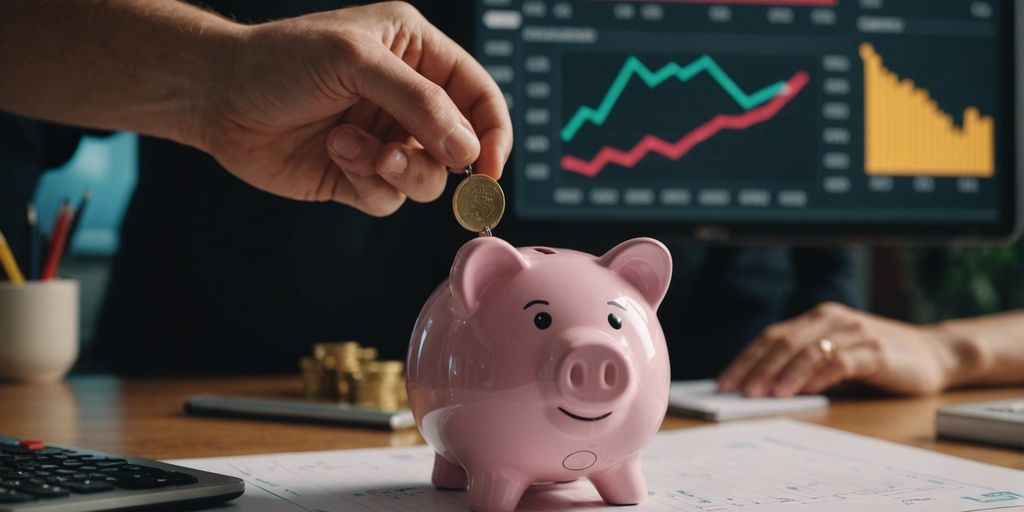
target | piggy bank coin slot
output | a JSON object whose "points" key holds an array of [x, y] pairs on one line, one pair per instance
{"points": [[579, 461], [544, 250]]}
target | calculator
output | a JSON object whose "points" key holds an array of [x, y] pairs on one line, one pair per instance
{"points": [[35, 476], [997, 422]]}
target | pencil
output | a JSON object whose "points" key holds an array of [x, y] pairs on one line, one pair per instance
{"points": [[33, 242], [77, 221], [44, 247], [7, 259], [60, 235]]}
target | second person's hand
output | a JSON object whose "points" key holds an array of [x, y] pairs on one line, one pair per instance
{"points": [[364, 106], [833, 343]]}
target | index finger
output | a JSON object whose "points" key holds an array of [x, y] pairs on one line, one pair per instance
{"points": [[737, 371], [730, 378], [478, 97]]}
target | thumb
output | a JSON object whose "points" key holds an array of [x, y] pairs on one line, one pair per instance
{"points": [[422, 107]]}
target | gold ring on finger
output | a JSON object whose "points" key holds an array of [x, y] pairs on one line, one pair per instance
{"points": [[828, 348]]}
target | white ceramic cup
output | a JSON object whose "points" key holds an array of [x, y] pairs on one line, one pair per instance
{"points": [[38, 330]]}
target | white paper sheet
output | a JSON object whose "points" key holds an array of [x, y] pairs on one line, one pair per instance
{"points": [[701, 398], [742, 466]]}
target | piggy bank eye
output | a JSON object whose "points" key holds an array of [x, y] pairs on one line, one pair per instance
{"points": [[542, 320], [614, 321]]}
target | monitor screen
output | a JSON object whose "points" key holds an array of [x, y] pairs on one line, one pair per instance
{"points": [[855, 117]]}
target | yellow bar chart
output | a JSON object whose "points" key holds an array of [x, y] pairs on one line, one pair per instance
{"points": [[907, 133]]}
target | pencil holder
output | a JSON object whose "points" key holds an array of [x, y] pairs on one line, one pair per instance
{"points": [[38, 330]]}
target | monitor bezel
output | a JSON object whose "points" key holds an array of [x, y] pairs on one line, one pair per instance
{"points": [[1007, 229]]}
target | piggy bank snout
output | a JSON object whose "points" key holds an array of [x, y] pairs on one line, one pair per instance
{"points": [[595, 377]]}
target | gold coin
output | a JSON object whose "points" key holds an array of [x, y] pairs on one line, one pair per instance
{"points": [[478, 203], [368, 354], [391, 367], [312, 377]]}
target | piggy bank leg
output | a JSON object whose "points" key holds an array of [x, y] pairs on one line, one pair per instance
{"points": [[495, 490], [623, 484], [447, 474]]}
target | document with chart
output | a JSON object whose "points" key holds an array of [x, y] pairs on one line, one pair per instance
{"points": [[754, 465]]}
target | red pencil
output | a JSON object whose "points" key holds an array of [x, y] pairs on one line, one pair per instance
{"points": [[59, 236]]}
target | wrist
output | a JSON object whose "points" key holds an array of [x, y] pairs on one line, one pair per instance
{"points": [[219, 45], [964, 358]]}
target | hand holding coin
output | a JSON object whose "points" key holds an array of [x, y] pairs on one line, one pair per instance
{"points": [[478, 203]]}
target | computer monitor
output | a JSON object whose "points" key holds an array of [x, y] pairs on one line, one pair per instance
{"points": [[829, 119]]}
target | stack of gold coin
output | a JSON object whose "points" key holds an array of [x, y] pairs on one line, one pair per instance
{"points": [[346, 360], [367, 355], [315, 380], [348, 372], [383, 386]]}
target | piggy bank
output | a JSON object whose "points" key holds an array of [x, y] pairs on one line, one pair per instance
{"points": [[536, 365]]}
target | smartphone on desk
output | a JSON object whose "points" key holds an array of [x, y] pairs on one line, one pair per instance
{"points": [[299, 410]]}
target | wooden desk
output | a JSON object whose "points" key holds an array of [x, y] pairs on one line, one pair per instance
{"points": [[144, 417]]}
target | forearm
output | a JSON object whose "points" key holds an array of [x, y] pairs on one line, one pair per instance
{"points": [[987, 350], [139, 65]]}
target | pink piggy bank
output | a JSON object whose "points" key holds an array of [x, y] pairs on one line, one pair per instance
{"points": [[542, 365]]}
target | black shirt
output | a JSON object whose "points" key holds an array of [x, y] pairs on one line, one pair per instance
{"points": [[214, 276]]}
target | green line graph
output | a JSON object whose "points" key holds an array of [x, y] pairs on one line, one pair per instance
{"points": [[652, 79]]}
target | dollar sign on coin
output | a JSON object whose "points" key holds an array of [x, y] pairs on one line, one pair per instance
{"points": [[478, 203]]}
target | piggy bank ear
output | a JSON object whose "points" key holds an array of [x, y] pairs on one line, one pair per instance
{"points": [[645, 263], [480, 264]]}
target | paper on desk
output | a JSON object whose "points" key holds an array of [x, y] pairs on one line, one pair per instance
{"points": [[752, 465], [701, 398]]}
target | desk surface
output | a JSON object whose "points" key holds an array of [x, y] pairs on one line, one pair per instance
{"points": [[145, 417]]}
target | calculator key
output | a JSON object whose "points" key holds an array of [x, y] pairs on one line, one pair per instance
{"points": [[106, 463], [14, 474], [33, 444], [150, 470], [89, 486], [44, 490], [9, 496], [134, 481], [178, 478]]}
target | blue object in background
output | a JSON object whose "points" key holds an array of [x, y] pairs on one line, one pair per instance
{"points": [[107, 165]]}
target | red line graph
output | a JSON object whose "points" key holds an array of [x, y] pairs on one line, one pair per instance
{"points": [[674, 151]]}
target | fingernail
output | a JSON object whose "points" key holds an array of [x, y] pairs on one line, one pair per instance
{"points": [[460, 144], [783, 388], [754, 390], [395, 164], [347, 143]]}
